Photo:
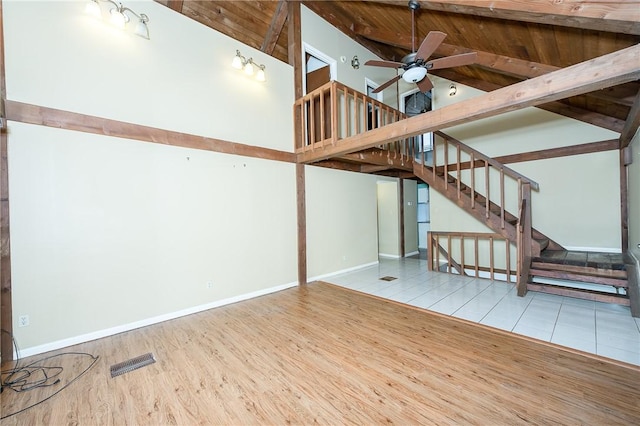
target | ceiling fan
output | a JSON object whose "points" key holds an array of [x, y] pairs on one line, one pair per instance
{"points": [[416, 64]]}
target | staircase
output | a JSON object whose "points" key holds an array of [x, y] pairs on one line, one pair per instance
{"points": [[585, 275], [546, 266]]}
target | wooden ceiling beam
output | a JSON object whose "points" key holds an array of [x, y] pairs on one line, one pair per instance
{"points": [[631, 125], [329, 15], [175, 5], [622, 16], [497, 63], [275, 28], [607, 70], [379, 157], [558, 107]]}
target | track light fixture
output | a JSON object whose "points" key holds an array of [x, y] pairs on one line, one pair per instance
{"points": [[119, 16], [248, 66]]}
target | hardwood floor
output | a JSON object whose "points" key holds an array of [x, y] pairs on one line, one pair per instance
{"points": [[328, 355]]}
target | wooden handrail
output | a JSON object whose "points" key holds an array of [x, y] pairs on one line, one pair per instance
{"points": [[481, 157], [334, 111]]}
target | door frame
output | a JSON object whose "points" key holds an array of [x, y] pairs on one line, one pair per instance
{"points": [[333, 64]]}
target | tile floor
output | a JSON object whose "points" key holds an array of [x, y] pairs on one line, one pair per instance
{"points": [[601, 328]]}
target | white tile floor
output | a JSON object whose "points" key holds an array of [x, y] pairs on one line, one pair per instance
{"points": [[601, 328]]}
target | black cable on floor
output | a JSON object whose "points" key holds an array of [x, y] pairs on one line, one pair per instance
{"points": [[32, 376]]}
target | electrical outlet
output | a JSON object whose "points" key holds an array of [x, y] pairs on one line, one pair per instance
{"points": [[209, 284], [23, 320]]}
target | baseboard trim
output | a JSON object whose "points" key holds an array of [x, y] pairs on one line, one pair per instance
{"points": [[59, 344], [342, 271], [594, 249], [389, 256], [413, 253]]}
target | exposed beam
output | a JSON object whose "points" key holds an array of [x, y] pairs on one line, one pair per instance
{"points": [[632, 123], [621, 16], [339, 165], [565, 151], [557, 107], [608, 70], [328, 14], [380, 157], [6, 305], [50, 117], [497, 63], [175, 5], [275, 28]]}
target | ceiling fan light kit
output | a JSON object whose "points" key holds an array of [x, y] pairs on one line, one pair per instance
{"points": [[416, 63], [414, 75]]}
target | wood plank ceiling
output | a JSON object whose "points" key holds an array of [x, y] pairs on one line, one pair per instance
{"points": [[515, 40]]}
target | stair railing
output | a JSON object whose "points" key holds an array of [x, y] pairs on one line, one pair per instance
{"points": [[333, 112], [497, 188], [485, 255]]}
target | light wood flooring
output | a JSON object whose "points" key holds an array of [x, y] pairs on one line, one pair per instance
{"points": [[328, 355]]}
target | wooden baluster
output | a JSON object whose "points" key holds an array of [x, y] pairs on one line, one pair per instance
{"points": [[322, 122], [347, 113], [491, 256], [446, 164], [472, 169], [430, 251], [508, 261], [312, 121], [433, 155], [334, 113], [458, 164], [449, 253], [475, 251], [437, 252], [462, 255], [486, 184], [502, 198]]}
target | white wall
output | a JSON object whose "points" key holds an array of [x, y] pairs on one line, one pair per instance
{"points": [[341, 221], [180, 80], [108, 233], [388, 218], [578, 204], [324, 37]]}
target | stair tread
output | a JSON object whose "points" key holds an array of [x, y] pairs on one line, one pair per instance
{"points": [[579, 293], [579, 277]]}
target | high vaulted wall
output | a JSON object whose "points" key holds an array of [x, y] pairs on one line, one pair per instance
{"points": [[107, 233]]}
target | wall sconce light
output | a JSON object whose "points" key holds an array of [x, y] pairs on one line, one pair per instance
{"points": [[355, 63], [452, 89], [119, 16], [239, 62]]}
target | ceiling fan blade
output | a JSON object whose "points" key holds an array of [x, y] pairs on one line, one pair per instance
{"points": [[453, 61], [425, 84], [387, 64], [387, 84], [430, 44]]}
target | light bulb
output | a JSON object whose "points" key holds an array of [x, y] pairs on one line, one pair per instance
{"points": [[260, 75], [119, 19], [237, 61], [248, 68], [93, 9], [142, 30]]}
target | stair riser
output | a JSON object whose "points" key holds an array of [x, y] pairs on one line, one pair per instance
{"points": [[579, 294], [561, 275]]}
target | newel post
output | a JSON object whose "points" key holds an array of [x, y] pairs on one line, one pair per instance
{"points": [[525, 240]]}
